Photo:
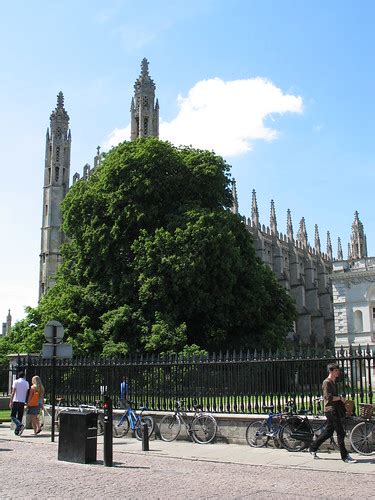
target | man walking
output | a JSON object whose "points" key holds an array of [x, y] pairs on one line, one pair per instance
{"points": [[334, 409], [17, 401]]}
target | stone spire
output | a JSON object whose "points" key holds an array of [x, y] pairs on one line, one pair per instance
{"points": [[254, 209], [358, 242], [234, 208], [339, 250], [273, 221], [59, 112], [317, 240], [56, 185], [302, 233], [144, 111], [9, 323], [349, 251], [289, 225], [329, 246]]}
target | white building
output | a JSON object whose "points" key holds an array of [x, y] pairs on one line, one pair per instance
{"points": [[353, 286]]}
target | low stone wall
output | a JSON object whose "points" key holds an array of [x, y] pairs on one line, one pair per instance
{"points": [[231, 427]]}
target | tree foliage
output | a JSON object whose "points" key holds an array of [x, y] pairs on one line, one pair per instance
{"points": [[156, 261]]}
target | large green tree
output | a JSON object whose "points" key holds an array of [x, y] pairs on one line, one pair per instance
{"points": [[156, 261]]}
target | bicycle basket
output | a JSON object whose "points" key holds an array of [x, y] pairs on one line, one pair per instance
{"points": [[365, 411], [349, 406]]}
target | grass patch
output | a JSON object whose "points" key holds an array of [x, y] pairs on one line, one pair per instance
{"points": [[4, 415]]}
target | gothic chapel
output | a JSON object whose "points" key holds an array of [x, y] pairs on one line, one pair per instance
{"points": [[304, 271]]}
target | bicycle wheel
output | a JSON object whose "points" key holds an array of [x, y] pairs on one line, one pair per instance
{"points": [[362, 438], [292, 434], [170, 427], [120, 426], [256, 434], [203, 429], [100, 431], [318, 428], [139, 426]]}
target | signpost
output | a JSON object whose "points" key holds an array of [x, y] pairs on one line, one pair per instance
{"points": [[54, 333]]}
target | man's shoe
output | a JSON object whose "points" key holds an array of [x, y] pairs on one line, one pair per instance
{"points": [[313, 453], [350, 460], [16, 431], [21, 429]]}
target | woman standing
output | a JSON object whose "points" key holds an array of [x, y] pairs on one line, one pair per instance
{"points": [[35, 403]]}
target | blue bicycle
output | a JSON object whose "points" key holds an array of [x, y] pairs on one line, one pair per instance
{"points": [[258, 433], [131, 420]]}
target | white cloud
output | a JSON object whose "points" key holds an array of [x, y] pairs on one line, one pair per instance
{"points": [[226, 117]]}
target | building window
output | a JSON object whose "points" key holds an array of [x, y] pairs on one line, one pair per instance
{"points": [[46, 210], [57, 153], [145, 126], [358, 321]]}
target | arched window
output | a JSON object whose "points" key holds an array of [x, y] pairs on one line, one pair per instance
{"points": [[358, 321]]}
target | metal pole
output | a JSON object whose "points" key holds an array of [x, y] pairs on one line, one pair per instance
{"points": [[54, 329], [145, 440], [108, 432]]}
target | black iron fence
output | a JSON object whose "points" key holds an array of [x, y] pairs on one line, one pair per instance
{"points": [[230, 382], [4, 380]]}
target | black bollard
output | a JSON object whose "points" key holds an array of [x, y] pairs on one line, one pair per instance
{"points": [[145, 441], [108, 432]]}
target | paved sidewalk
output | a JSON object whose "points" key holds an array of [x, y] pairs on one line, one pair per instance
{"points": [[217, 452], [174, 471]]}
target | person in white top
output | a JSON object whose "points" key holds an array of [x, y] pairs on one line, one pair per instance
{"points": [[17, 402]]}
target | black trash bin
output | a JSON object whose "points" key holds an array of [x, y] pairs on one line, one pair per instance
{"points": [[78, 436]]}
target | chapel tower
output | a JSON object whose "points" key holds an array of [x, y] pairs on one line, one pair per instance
{"points": [[358, 243], [56, 185], [144, 110]]}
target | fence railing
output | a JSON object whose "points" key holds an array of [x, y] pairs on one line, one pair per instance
{"points": [[225, 383]]}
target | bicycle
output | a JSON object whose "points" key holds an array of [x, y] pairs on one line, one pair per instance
{"points": [[133, 421], [258, 433], [297, 433], [46, 414], [362, 436], [202, 428]]}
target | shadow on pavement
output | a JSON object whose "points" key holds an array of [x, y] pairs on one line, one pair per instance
{"points": [[121, 465]]}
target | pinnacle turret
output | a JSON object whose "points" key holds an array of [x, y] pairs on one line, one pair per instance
{"points": [[254, 209], [289, 225], [234, 208], [329, 246], [302, 233], [144, 67], [60, 100], [144, 111], [339, 250], [273, 221], [317, 240], [358, 241], [59, 113]]}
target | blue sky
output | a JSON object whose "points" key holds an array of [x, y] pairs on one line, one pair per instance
{"points": [[283, 89]]}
